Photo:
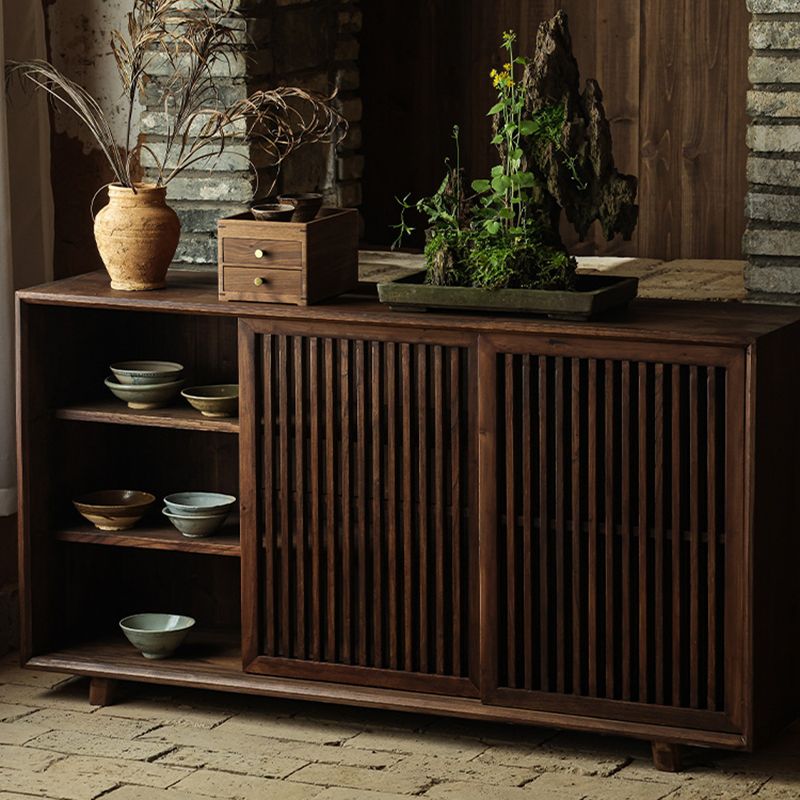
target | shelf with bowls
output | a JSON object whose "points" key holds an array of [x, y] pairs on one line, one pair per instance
{"points": [[157, 535], [176, 417]]}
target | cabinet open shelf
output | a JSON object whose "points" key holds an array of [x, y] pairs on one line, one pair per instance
{"points": [[205, 654], [157, 536], [177, 418]]}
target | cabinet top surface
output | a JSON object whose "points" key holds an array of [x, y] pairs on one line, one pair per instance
{"points": [[196, 293]]}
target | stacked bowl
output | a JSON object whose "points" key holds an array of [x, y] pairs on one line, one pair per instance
{"points": [[198, 514], [145, 385]]}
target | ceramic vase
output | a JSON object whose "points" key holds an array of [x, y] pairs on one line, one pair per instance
{"points": [[137, 235]]}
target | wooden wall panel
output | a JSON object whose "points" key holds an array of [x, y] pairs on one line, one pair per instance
{"points": [[674, 76]]}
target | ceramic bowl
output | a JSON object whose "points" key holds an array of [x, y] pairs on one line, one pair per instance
{"points": [[199, 503], [195, 526], [144, 373], [156, 635], [114, 509], [306, 206], [275, 212], [220, 400], [155, 395]]}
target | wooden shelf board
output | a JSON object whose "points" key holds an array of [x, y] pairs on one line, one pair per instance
{"points": [[212, 660], [116, 413], [155, 536]]}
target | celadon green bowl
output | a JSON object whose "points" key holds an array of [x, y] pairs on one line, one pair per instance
{"points": [[156, 635]]}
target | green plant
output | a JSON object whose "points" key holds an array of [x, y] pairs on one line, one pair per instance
{"points": [[497, 238]]}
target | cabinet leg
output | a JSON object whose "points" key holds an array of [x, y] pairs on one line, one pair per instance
{"points": [[667, 757], [103, 691]]}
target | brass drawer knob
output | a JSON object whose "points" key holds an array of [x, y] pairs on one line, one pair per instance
{"points": [[259, 281], [259, 253]]}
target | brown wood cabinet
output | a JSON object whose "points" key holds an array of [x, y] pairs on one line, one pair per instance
{"points": [[590, 526]]}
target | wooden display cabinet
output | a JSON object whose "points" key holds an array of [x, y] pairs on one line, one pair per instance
{"points": [[588, 526]]}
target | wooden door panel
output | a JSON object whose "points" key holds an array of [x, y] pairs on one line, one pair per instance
{"points": [[611, 508], [365, 545]]}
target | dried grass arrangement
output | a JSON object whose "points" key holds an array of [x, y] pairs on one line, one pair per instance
{"points": [[192, 38]]}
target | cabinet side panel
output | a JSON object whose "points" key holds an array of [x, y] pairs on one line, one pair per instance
{"points": [[37, 628], [249, 417], [775, 471]]}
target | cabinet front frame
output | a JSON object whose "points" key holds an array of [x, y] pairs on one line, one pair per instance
{"points": [[737, 558], [251, 411]]}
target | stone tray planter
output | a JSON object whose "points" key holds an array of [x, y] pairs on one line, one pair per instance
{"points": [[595, 295]]}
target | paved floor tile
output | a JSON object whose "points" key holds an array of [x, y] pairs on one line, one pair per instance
{"points": [[57, 719], [560, 786], [13, 711], [92, 744], [159, 713], [19, 732], [415, 742], [267, 765], [209, 783]]}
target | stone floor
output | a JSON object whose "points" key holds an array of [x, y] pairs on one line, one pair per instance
{"points": [[168, 744], [687, 279]]}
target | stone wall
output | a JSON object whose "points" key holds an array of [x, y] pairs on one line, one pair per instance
{"points": [[772, 239], [312, 44]]}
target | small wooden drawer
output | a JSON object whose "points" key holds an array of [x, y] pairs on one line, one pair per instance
{"points": [[260, 253], [296, 262], [265, 285]]}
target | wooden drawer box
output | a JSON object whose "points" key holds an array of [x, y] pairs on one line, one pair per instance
{"points": [[288, 262]]}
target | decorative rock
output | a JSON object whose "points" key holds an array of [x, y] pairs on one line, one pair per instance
{"points": [[552, 78], [773, 171], [774, 138]]}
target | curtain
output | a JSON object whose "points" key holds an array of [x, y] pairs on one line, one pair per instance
{"points": [[26, 209]]}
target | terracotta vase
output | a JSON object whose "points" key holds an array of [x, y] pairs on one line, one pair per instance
{"points": [[137, 234]]}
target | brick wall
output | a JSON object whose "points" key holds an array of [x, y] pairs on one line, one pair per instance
{"points": [[772, 239], [312, 44]]}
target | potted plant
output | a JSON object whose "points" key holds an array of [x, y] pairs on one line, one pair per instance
{"points": [[137, 233], [495, 244]]}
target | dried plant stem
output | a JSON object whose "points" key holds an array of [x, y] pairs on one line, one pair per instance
{"points": [[192, 37]]}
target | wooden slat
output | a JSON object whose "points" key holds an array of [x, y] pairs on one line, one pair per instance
{"points": [[560, 543], [270, 523], [422, 489], [658, 500], [393, 555], [676, 536], [456, 477], [333, 572], [591, 553], [642, 486], [711, 481], [408, 507], [694, 540], [283, 450], [609, 448], [526, 449], [348, 613], [360, 392], [544, 531], [376, 523], [440, 520], [625, 529], [299, 499], [510, 513], [315, 408], [577, 610]]}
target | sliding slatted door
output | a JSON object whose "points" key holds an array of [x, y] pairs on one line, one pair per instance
{"points": [[365, 544], [612, 530]]}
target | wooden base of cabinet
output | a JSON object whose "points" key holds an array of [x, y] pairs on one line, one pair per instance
{"points": [[103, 692], [213, 661], [667, 757]]}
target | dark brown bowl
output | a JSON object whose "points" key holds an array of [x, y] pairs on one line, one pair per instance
{"points": [[274, 212], [306, 205], [114, 509]]}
